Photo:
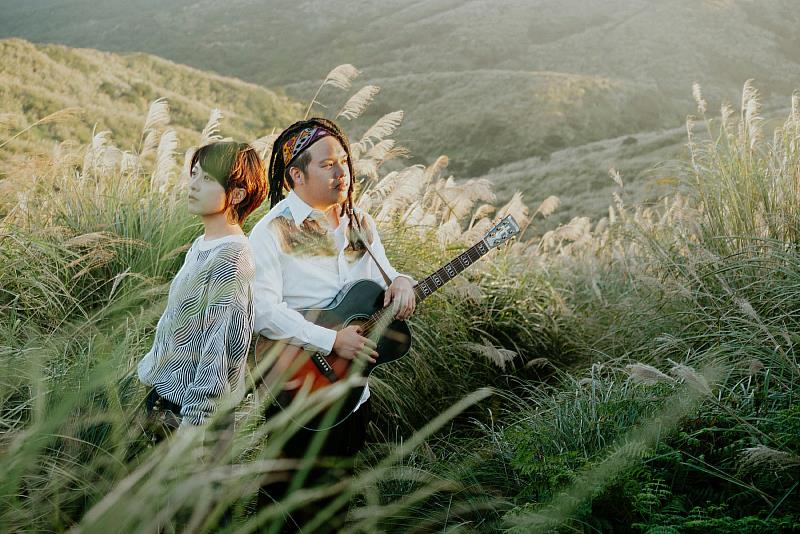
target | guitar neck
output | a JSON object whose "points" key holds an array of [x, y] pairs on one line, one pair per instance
{"points": [[426, 287]]}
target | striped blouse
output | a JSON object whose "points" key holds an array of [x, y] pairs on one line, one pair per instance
{"points": [[201, 342]]}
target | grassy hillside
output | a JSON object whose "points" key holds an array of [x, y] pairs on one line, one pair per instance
{"points": [[479, 53], [643, 371], [113, 93]]}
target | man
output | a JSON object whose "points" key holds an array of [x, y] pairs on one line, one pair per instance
{"points": [[308, 247]]}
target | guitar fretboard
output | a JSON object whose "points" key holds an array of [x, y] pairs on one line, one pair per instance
{"points": [[436, 280], [439, 278]]}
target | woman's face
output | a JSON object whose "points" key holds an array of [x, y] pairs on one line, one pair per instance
{"points": [[206, 195]]}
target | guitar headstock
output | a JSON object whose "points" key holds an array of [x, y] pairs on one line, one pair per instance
{"points": [[502, 231]]}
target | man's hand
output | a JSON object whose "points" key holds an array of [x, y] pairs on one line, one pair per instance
{"points": [[401, 293], [351, 345]]}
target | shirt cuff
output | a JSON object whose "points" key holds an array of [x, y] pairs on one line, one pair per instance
{"points": [[404, 276], [319, 338]]}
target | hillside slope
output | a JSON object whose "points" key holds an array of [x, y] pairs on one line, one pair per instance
{"points": [[114, 92]]}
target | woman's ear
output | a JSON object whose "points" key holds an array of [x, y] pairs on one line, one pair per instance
{"points": [[236, 195]]}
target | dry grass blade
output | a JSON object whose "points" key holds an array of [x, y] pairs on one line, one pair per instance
{"points": [[357, 103], [62, 115]]}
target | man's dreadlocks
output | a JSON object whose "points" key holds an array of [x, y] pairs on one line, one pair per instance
{"points": [[279, 177]]}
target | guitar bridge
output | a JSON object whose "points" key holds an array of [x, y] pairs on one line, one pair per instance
{"points": [[323, 366]]}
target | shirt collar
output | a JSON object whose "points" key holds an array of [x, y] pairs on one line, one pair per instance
{"points": [[300, 210], [297, 206]]}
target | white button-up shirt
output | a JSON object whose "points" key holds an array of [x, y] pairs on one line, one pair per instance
{"points": [[302, 263]]}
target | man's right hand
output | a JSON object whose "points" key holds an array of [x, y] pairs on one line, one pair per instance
{"points": [[351, 345]]}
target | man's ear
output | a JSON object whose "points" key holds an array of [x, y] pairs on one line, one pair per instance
{"points": [[297, 175]]}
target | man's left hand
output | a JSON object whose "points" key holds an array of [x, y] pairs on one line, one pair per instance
{"points": [[401, 293]]}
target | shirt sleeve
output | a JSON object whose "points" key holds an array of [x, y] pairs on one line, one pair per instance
{"points": [[274, 319], [380, 255], [227, 326]]}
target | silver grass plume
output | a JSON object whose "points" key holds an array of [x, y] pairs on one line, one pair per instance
{"points": [[263, 145], [385, 126], [574, 230], [366, 167], [516, 208], [548, 206], [342, 76], [646, 374], [449, 231], [617, 177], [458, 199], [157, 119], [498, 356], [186, 172], [762, 456], [726, 114], [751, 113], [164, 170], [538, 362], [484, 210], [211, 130], [101, 155], [407, 186], [433, 171], [694, 379], [697, 93], [386, 150], [357, 103]]}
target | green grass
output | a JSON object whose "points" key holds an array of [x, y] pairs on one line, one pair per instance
{"points": [[575, 435]]}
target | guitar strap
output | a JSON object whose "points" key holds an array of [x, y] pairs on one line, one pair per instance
{"points": [[363, 239]]}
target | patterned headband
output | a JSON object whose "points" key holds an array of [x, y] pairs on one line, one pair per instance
{"points": [[301, 141]]}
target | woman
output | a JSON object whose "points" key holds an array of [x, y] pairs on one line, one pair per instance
{"points": [[202, 339]]}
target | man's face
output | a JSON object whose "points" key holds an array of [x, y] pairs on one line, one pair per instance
{"points": [[327, 178]]}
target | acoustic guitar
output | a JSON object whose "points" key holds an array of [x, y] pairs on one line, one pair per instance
{"points": [[361, 303]]}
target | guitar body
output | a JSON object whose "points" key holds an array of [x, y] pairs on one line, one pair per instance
{"points": [[354, 305]]}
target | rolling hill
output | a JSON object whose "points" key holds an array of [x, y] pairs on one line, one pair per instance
{"points": [[114, 92], [452, 64]]}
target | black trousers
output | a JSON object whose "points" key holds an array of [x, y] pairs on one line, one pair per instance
{"points": [[343, 441]]}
